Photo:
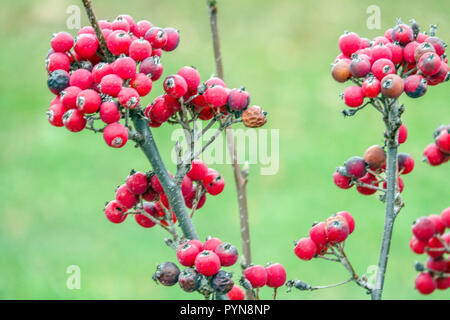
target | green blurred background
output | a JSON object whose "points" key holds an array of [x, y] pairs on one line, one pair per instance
{"points": [[53, 184]]}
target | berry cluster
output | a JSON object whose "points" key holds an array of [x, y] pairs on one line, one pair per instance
{"points": [[203, 262], [325, 234], [273, 275], [403, 60], [438, 152], [368, 172], [429, 237], [144, 193]]}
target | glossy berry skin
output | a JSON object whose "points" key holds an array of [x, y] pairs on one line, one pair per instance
{"points": [[423, 229], [198, 171], [69, 97], [57, 81], [167, 274], [186, 254], [140, 50], [207, 263], [443, 141], [175, 86], [429, 63], [305, 249], [118, 42], [238, 99], [143, 221], [375, 157], [392, 86], [318, 234], [433, 155], [109, 112], [349, 218], [256, 275], [172, 104], [402, 33], [189, 280], [213, 182], [438, 223], [409, 51], [125, 197], [88, 101], [216, 96], [417, 246], [55, 114], [82, 79], [382, 67], [211, 244], [436, 246], [425, 283], [111, 85], [86, 45], [341, 181], [337, 229], [340, 71], [371, 87], [405, 163], [191, 76], [355, 167], [157, 37], [173, 39], [57, 61], [125, 68], [445, 216], [415, 86], [152, 67], [353, 96], [74, 120], [115, 135], [158, 110], [236, 293], [62, 42], [227, 253], [115, 212], [137, 182], [128, 97], [369, 179], [276, 275], [348, 43]]}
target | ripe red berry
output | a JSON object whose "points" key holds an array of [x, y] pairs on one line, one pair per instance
{"points": [[341, 181], [156, 185], [175, 86], [443, 283], [55, 114], [396, 51], [157, 37], [118, 42], [337, 229], [349, 218], [125, 197], [69, 97], [214, 81], [405, 163], [429, 63], [443, 141], [62, 42], [115, 212], [445, 216], [86, 30], [425, 283], [186, 254], [433, 155], [120, 23], [141, 28], [216, 96], [137, 182], [380, 39], [438, 223], [115, 135], [276, 275], [417, 246], [437, 43], [401, 184], [198, 171], [256, 275], [305, 249], [227, 253], [392, 86], [382, 67], [213, 182], [140, 49], [144, 221], [402, 33], [211, 244], [353, 96], [172, 104], [82, 79], [190, 197], [439, 265], [125, 67], [111, 85], [349, 43], [207, 263], [423, 229], [142, 84], [381, 51], [173, 39], [88, 101], [197, 243], [186, 186], [238, 99], [318, 234], [109, 112], [129, 98], [435, 248], [368, 179], [236, 293], [371, 87], [74, 120], [408, 52], [191, 76], [152, 67], [57, 61], [86, 45], [100, 70], [355, 167], [158, 111]]}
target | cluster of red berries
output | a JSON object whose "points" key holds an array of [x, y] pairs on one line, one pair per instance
{"points": [[403, 60], [429, 237], [144, 193], [368, 172], [325, 234], [203, 262], [273, 275], [438, 152]]}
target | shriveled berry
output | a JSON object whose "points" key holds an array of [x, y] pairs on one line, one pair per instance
{"points": [[167, 273], [57, 81], [222, 283], [375, 157], [252, 117], [189, 280]]}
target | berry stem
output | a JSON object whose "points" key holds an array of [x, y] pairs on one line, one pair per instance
{"points": [[239, 177]]}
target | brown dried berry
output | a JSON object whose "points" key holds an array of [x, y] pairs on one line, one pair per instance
{"points": [[222, 282], [254, 117], [340, 71], [375, 156], [189, 279], [167, 273]]}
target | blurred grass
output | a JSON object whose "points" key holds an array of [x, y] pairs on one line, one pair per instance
{"points": [[53, 184]]}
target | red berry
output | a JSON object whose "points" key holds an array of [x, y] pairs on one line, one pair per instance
{"points": [[157, 52], [86, 30], [256, 275], [227, 253], [55, 114], [115, 135], [349, 43], [445, 216], [423, 229], [337, 229], [186, 186], [86, 45], [173, 38], [443, 141], [439, 265], [408, 52], [128, 97], [382, 67], [341, 181], [142, 83], [175, 86], [140, 49], [415, 86], [438, 223], [191, 76], [125, 197], [137, 182], [88, 101], [371, 87], [216, 96], [62, 42], [433, 155], [156, 185], [198, 171], [238, 99], [276, 275], [100, 70], [417, 246], [150, 195], [152, 67], [172, 104], [104, 24], [158, 111], [206, 113], [74, 120], [381, 39], [425, 283], [318, 234], [437, 43], [207, 263], [213, 182], [355, 167], [381, 51], [369, 179], [125, 67], [397, 52], [130, 21], [392, 86], [443, 283], [141, 28], [186, 254], [144, 221], [109, 112], [214, 81], [402, 133], [69, 97], [57, 61], [401, 184], [118, 42], [349, 218], [120, 23], [421, 37], [190, 197], [82, 79], [353, 96], [157, 37], [115, 212], [405, 163], [211, 244], [436, 246], [402, 33], [236, 293], [429, 63], [305, 249]]}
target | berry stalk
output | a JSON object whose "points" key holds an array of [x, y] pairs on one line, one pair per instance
{"points": [[239, 177]]}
